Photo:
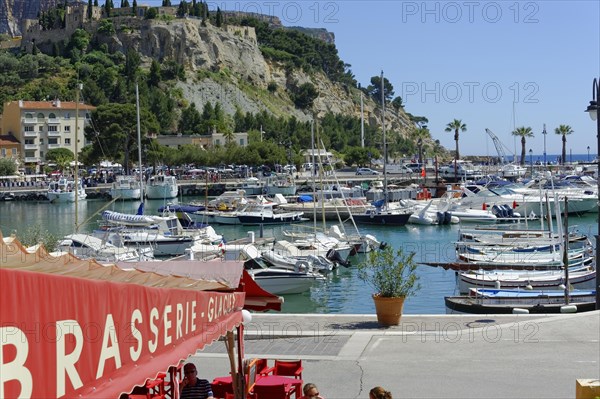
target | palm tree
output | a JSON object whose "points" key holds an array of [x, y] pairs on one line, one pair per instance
{"points": [[455, 126], [523, 132], [563, 130]]}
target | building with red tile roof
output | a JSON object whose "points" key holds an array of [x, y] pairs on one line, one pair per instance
{"points": [[39, 126]]}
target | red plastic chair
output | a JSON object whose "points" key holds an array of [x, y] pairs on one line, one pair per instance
{"points": [[288, 368], [221, 390], [272, 392], [262, 367]]}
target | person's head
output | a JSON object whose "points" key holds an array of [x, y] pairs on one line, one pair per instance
{"points": [[379, 393], [190, 372], [310, 390]]}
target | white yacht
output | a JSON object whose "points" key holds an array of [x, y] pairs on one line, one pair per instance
{"points": [[86, 246], [126, 188], [161, 187], [65, 190]]}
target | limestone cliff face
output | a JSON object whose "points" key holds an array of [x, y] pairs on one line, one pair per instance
{"points": [[226, 65], [13, 12]]}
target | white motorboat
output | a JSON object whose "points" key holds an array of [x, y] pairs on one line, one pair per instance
{"points": [[580, 277], [299, 263], [318, 245], [164, 233], [276, 280], [86, 246], [513, 171], [126, 188], [263, 211], [161, 187], [280, 184], [65, 190]]}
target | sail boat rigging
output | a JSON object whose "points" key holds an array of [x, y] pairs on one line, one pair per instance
{"points": [[381, 213]]}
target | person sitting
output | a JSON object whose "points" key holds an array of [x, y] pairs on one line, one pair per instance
{"points": [[379, 393], [193, 387], [310, 391]]}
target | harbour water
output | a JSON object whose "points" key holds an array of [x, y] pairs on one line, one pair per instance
{"points": [[342, 292]]}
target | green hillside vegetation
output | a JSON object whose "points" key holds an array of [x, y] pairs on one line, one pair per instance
{"points": [[109, 84]]}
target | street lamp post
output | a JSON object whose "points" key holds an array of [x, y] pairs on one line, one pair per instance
{"points": [[544, 133], [531, 161], [588, 148], [420, 146], [593, 109]]}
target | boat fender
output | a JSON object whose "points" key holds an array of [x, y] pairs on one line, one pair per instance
{"points": [[520, 311], [568, 309], [334, 256]]}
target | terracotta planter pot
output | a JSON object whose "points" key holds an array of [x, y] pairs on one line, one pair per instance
{"points": [[389, 310]]}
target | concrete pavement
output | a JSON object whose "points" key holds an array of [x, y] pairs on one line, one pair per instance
{"points": [[427, 356]]}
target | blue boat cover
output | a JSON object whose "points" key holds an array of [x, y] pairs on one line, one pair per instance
{"points": [[378, 203], [181, 208], [305, 198]]}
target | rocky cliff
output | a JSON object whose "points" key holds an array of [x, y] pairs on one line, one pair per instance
{"points": [[224, 65], [13, 12]]}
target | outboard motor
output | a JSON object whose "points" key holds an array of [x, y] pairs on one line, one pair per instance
{"points": [[440, 217], [447, 217], [334, 256], [497, 211], [383, 245], [509, 211]]}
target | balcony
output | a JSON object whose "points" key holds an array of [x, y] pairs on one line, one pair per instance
{"points": [[53, 134], [30, 121], [32, 159], [30, 134], [54, 146], [53, 121], [31, 146]]}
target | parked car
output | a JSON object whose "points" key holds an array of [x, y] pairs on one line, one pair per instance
{"points": [[415, 167], [367, 171], [289, 168], [397, 169]]}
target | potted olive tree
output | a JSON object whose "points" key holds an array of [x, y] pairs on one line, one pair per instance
{"points": [[393, 275]]}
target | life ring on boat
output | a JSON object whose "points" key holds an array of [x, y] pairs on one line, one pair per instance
{"points": [[302, 266]]}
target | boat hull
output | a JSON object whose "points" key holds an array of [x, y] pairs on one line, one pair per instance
{"points": [[161, 192], [291, 283], [382, 219], [126, 193], [463, 304]]}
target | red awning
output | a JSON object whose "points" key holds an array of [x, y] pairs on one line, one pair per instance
{"points": [[73, 328], [68, 337]]}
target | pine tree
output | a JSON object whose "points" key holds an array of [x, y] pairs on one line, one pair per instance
{"points": [[89, 9], [219, 18], [134, 7], [95, 3]]}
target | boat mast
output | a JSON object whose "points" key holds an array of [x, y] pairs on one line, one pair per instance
{"points": [[139, 140], [566, 250], [312, 173], [385, 199], [76, 181]]}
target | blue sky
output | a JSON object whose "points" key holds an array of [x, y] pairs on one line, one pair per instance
{"points": [[492, 64]]}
